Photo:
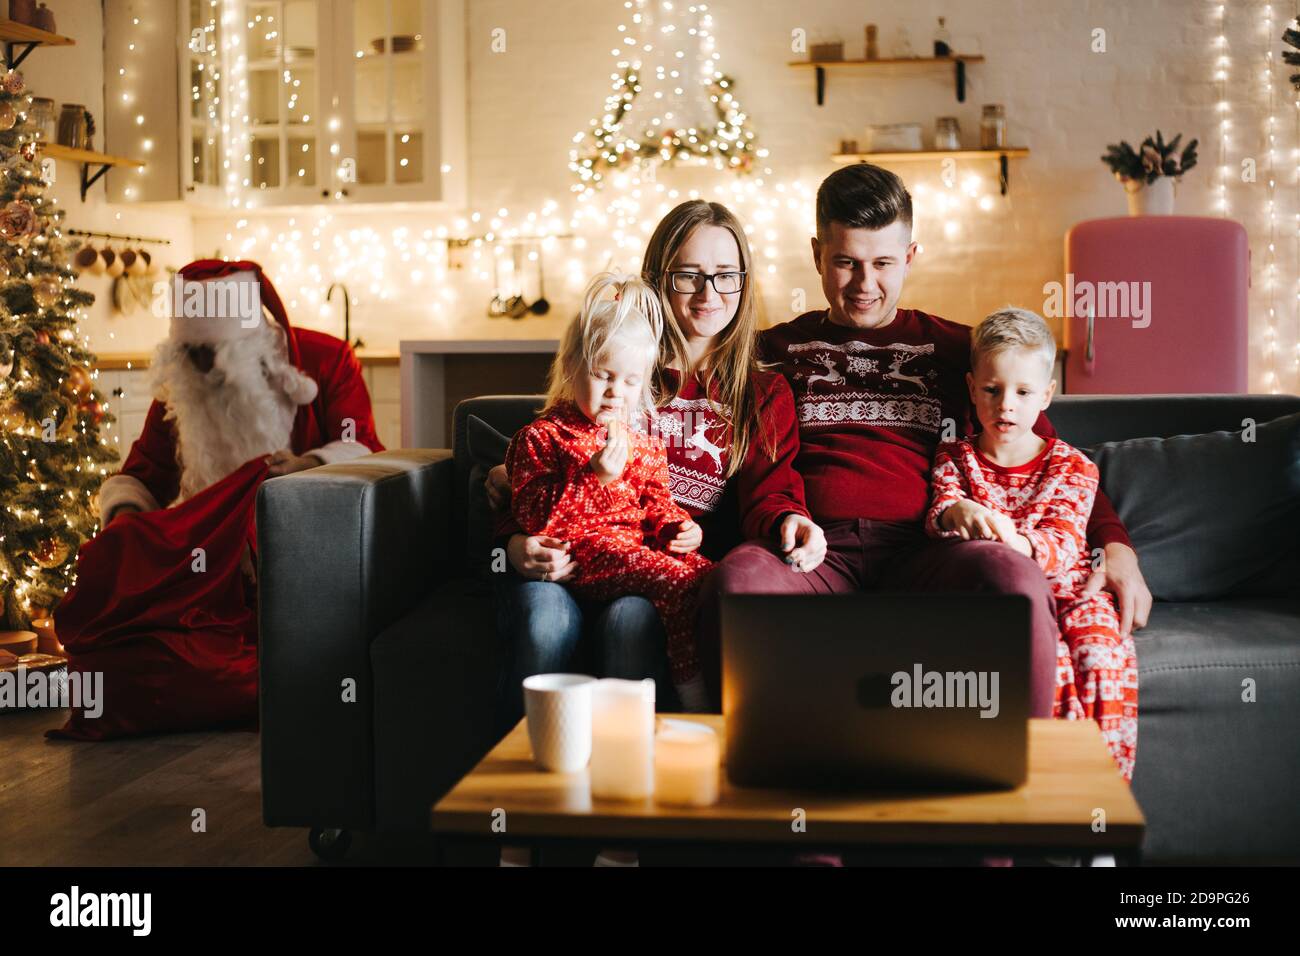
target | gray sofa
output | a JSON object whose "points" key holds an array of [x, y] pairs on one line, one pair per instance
{"points": [[363, 577]]}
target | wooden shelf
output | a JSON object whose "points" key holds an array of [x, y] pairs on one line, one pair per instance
{"points": [[86, 158], [14, 34], [1001, 155], [1015, 152], [957, 62], [900, 61]]}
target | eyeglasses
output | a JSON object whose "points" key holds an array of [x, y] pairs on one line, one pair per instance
{"points": [[724, 283]]}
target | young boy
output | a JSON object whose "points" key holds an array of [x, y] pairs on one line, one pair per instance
{"points": [[1035, 495]]}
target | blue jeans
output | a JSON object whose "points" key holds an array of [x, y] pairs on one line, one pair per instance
{"points": [[547, 630]]}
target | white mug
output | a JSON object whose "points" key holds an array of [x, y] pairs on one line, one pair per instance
{"points": [[558, 707]]}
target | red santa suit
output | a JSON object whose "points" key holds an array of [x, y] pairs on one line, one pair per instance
{"points": [[337, 425], [161, 606]]}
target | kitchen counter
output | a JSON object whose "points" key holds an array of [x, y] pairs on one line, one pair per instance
{"points": [[438, 373]]}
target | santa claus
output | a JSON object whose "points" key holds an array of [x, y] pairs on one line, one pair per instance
{"points": [[160, 607], [229, 386]]}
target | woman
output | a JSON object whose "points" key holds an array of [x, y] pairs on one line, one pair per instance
{"points": [[731, 436]]}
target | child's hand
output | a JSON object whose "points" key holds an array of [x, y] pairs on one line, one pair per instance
{"points": [[609, 462], [688, 538], [971, 520], [1004, 529]]}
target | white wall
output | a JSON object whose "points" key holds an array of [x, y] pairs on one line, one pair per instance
{"points": [[1063, 101]]}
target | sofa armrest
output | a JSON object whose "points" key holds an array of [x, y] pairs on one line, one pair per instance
{"points": [[344, 551]]}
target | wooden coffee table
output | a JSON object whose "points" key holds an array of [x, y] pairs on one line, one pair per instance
{"points": [[1073, 803]]}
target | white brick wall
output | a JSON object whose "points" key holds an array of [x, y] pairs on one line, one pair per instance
{"points": [[1062, 100]]}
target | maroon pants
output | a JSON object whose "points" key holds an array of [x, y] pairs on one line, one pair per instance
{"points": [[880, 555]]}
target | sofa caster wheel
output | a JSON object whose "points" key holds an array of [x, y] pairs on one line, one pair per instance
{"points": [[328, 844]]}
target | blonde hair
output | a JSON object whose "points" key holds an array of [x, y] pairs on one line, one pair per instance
{"points": [[632, 318], [731, 363], [1013, 328]]}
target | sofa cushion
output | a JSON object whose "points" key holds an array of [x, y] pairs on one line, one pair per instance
{"points": [[1210, 515], [1218, 758], [487, 449]]}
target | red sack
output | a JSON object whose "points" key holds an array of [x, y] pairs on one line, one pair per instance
{"points": [[177, 647]]}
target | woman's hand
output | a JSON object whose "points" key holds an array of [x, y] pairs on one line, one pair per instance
{"points": [[540, 558], [609, 462], [497, 485], [802, 542], [688, 538]]}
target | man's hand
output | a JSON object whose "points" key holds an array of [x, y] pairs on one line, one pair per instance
{"points": [[285, 462], [497, 486], [802, 542], [688, 538], [1121, 575], [609, 462], [540, 558]]}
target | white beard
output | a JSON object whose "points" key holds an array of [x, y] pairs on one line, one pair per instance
{"points": [[231, 414]]}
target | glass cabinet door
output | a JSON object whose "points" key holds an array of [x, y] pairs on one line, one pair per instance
{"points": [[385, 139], [202, 93], [284, 83]]}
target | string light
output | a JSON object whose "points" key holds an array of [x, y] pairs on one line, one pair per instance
{"points": [[126, 75], [1295, 164], [1223, 62], [1270, 148]]}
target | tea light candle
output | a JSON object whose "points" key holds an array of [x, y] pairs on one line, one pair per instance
{"points": [[622, 739], [687, 760], [47, 641]]}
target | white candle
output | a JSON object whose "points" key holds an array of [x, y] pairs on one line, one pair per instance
{"points": [[622, 739], [687, 759]]}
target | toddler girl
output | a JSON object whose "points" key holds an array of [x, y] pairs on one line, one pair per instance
{"points": [[586, 473]]}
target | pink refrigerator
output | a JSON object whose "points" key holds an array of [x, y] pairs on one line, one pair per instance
{"points": [[1155, 304]]}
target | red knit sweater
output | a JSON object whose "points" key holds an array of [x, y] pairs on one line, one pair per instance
{"points": [[872, 405]]}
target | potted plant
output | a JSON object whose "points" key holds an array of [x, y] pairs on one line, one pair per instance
{"points": [[1148, 173]]}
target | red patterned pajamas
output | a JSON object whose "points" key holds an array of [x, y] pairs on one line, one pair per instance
{"points": [[617, 532], [1050, 499]]}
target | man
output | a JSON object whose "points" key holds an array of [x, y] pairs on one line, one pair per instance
{"points": [[160, 606], [875, 389], [229, 388]]}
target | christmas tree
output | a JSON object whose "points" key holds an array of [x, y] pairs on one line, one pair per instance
{"points": [[669, 104], [52, 458]]}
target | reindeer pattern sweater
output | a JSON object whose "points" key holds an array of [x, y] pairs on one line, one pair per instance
{"points": [[872, 405]]}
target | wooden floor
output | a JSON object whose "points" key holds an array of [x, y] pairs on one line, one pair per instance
{"points": [[131, 802]]}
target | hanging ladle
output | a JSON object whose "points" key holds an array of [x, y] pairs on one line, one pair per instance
{"points": [[496, 308], [515, 306], [541, 306]]}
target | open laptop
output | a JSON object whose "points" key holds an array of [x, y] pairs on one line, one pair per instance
{"points": [[876, 690]]}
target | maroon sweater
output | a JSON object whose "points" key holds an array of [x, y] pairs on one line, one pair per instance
{"points": [[871, 405]]}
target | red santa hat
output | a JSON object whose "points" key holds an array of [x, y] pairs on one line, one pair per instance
{"points": [[299, 387]]}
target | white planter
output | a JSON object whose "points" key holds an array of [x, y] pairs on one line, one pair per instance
{"points": [[1153, 199]]}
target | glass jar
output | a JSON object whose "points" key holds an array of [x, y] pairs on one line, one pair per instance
{"points": [[72, 126], [42, 116], [942, 41], [947, 134], [993, 127]]}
